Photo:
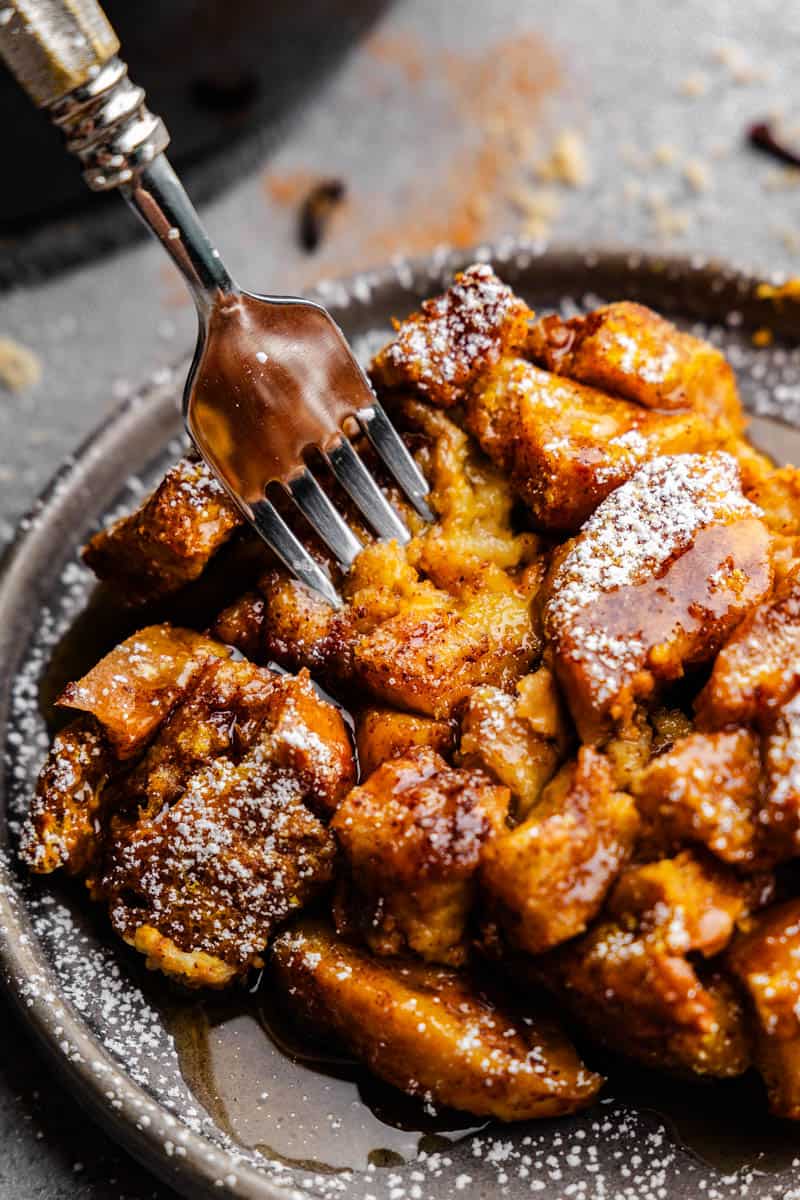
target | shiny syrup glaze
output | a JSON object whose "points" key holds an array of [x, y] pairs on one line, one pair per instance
{"points": [[274, 380], [267, 1087]]}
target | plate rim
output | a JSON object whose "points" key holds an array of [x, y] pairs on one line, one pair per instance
{"points": [[197, 1171]]}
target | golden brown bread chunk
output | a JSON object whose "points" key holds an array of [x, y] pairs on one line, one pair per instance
{"points": [[424, 623], [777, 494], [412, 837], [653, 584], [766, 961], [168, 541], [430, 663], [566, 446], [212, 844], [219, 869], [705, 789], [546, 879], [518, 739], [134, 687], [758, 668], [384, 733], [232, 706], [630, 979], [780, 808], [440, 350], [431, 1031], [630, 351], [61, 828]]}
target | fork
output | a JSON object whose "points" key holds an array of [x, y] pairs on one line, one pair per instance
{"points": [[273, 378]]}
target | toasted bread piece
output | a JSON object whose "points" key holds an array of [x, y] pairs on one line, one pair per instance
{"points": [[429, 664], [628, 350], [758, 668], [566, 446], [412, 837], [779, 816], [211, 842], [422, 623], [705, 789], [167, 542], [61, 828], [440, 350], [653, 584], [233, 706], [546, 879], [766, 961], [431, 1031], [518, 739], [777, 494], [632, 983], [384, 733], [135, 686]]}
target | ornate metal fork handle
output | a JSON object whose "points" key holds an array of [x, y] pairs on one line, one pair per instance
{"points": [[64, 53]]}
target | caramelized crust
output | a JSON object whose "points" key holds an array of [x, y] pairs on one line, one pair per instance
{"points": [[212, 845], [169, 540], [384, 733], [655, 581], [233, 706], [630, 980], [430, 663], [780, 810], [62, 827], [766, 961], [412, 837], [546, 879], [566, 446], [705, 789], [217, 870], [443, 348], [758, 668], [777, 494], [431, 1031], [628, 350], [424, 623], [136, 685]]}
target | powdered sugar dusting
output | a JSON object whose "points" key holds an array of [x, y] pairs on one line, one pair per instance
{"points": [[610, 1153], [634, 533]]}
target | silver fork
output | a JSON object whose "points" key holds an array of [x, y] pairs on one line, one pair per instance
{"points": [[273, 377]]}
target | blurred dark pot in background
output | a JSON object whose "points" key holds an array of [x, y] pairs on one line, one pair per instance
{"points": [[214, 69]]}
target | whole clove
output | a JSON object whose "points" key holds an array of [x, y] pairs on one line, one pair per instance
{"points": [[316, 210], [764, 137]]}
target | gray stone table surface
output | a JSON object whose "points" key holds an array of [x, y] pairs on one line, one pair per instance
{"points": [[443, 125]]}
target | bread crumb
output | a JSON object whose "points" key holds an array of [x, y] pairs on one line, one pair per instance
{"points": [[695, 84], [780, 178], [697, 175], [539, 207], [790, 239], [664, 154], [739, 63], [567, 162], [20, 368]]}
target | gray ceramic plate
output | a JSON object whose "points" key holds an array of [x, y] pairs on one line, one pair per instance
{"points": [[196, 1089]]}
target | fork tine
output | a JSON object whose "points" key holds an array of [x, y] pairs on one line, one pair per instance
{"points": [[274, 530], [395, 455], [323, 518], [365, 493]]}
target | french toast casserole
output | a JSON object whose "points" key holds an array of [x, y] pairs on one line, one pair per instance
{"points": [[537, 779]]}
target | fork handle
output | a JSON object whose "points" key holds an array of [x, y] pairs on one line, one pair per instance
{"points": [[64, 54]]}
